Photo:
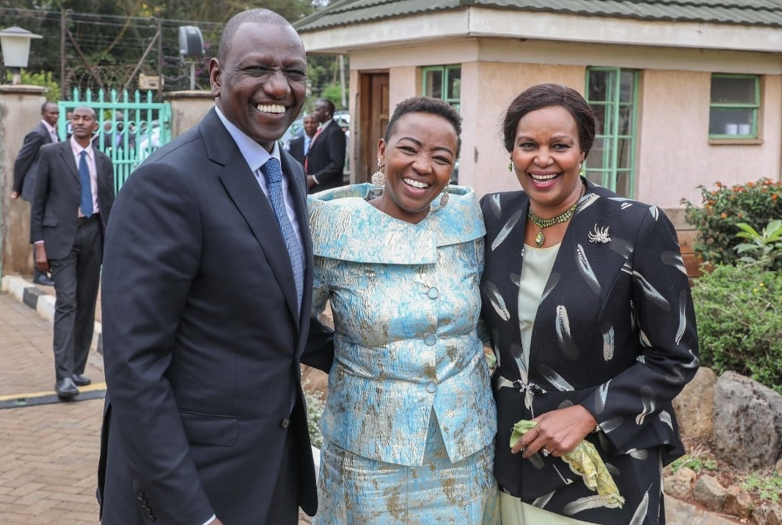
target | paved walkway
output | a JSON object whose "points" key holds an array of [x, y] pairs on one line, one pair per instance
{"points": [[49, 452]]}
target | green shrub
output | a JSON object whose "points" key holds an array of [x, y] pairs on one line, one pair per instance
{"points": [[716, 219], [315, 406], [768, 487], [740, 323]]}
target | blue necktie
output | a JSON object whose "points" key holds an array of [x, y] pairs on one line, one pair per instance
{"points": [[271, 170], [86, 188]]}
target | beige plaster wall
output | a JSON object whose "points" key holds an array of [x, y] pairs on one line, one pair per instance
{"points": [[20, 112], [674, 153], [403, 82], [487, 90], [187, 109]]}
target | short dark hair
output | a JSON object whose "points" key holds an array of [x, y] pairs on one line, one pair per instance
{"points": [[47, 104], [546, 96], [433, 106], [259, 16], [329, 104]]}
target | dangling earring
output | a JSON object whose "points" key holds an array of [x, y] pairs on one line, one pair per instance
{"points": [[510, 165], [379, 177], [581, 169]]}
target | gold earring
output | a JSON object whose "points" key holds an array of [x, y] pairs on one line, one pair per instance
{"points": [[510, 166], [379, 177]]}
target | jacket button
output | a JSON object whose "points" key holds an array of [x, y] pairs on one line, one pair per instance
{"points": [[431, 387], [285, 423], [433, 293], [430, 339], [140, 494]]}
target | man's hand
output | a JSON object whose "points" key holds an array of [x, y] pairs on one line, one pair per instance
{"points": [[14, 194], [41, 261], [310, 181]]}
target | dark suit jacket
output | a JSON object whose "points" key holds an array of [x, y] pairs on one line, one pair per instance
{"points": [[296, 148], [26, 163], [55, 203], [614, 332], [202, 339], [326, 159]]}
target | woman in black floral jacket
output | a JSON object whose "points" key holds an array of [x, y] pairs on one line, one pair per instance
{"points": [[587, 301]]}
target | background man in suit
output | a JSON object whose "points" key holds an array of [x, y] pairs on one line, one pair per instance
{"points": [[73, 197], [325, 161], [206, 307], [300, 145], [26, 165]]}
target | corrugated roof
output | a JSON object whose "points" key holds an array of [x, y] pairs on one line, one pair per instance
{"points": [[740, 12]]}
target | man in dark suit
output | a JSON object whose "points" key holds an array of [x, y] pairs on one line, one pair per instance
{"points": [[26, 165], [71, 205], [325, 161], [206, 299], [300, 145]]}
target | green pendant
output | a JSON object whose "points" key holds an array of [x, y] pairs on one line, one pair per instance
{"points": [[539, 239]]}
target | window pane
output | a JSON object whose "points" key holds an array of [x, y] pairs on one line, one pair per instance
{"points": [[599, 156], [603, 119], [627, 86], [595, 176], [599, 85], [454, 83], [434, 83], [733, 90], [726, 121], [625, 153], [625, 120], [623, 184]]}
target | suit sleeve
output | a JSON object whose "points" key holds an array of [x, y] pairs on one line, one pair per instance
{"points": [[152, 253], [38, 207], [631, 403], [336, 151], [32, 143]]}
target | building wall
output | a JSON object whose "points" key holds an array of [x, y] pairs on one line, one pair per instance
{"points": [[674, 155]]}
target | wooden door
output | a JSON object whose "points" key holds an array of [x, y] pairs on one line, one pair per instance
{"points": [[372, 122]]}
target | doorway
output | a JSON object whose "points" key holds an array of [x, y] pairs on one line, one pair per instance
{"points": [[373, 119]]}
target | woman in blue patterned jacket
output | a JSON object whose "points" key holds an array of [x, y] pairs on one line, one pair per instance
{"points": [[410, 421], [589, 308]]}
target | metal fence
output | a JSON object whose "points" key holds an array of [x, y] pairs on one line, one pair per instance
{"points": [[129, 128]]}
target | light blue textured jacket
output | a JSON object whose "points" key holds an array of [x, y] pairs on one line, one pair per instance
{"points": [[406, 302]]}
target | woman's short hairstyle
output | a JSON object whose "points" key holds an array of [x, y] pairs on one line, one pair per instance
{"points": [[433, 106], [545, 96]]}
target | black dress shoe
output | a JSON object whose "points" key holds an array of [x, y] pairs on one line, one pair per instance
{"points": [[81, 380], [65, 388], [43, 280]]}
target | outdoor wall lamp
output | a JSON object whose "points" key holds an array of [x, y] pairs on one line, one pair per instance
{"points": [[15, 42]]}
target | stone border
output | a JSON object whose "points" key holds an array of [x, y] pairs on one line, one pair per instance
{"points": [[26, 292]]}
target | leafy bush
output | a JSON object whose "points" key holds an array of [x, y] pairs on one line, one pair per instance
{"points": [[740, 323], [716, 219], [315, 406]]}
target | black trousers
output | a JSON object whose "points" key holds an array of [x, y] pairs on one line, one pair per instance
{"points": [[76, 280]]}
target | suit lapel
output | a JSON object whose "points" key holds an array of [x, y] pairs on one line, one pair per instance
{"points": [[247, 196], [68, 160]]}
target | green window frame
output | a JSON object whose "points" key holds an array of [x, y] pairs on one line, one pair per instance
{"points": [[443, 82], [734, 104], [612, 93]]}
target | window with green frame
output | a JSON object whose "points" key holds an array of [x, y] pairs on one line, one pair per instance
{"points": [[443, 82], [613, 95], [733, 112]]}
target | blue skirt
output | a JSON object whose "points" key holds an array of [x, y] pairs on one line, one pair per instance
{"points": [[354, 490]]}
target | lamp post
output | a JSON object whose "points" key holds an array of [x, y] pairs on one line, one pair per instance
{"points": [[15, 42]]}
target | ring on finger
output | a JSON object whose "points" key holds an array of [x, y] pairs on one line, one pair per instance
{"points": [[545, 452]]}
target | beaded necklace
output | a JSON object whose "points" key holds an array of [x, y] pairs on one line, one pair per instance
{"points": [[545, 223]]}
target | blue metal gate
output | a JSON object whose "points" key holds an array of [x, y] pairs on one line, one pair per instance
{"points": [[129, 128]]}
